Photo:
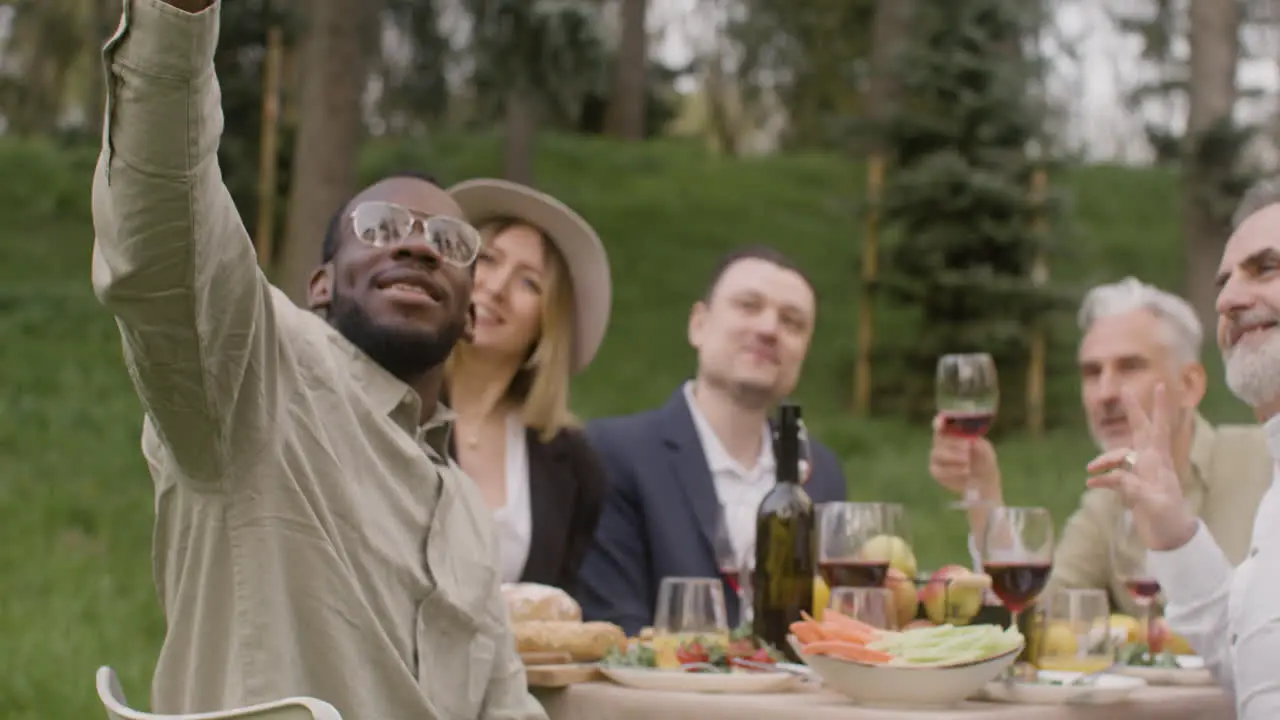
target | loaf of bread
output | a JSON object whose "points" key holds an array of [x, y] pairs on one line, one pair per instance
{"points": [[533, 602], [584, 642]]}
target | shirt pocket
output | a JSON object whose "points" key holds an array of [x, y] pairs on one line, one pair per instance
{"points": [[455, 659]]}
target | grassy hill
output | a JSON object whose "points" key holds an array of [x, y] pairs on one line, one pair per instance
{"points": [[75, 500]]}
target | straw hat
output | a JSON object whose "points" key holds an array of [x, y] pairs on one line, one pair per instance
{"points": [[487, 199]]}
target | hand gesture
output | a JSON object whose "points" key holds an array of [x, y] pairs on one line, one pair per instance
{"points": [[959, 464], [1146, 478]]}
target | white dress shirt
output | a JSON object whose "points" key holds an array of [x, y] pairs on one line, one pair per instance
{"points": [[739, 489], [1232, 617], [515, 519]]}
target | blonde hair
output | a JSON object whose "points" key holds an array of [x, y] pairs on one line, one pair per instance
{"points": [[541, 386]]}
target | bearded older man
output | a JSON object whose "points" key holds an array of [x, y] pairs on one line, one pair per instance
{"points": [[1230, 616], [1134, 336]]}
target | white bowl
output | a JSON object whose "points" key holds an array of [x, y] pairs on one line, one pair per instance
{"points": [[906, 685]]}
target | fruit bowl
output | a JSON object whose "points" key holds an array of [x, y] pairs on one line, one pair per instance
{"points": [[894, 685]]}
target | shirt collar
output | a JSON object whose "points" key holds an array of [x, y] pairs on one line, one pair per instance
{"points": [[1272, 428], [1201, 452], [395, 398], [719, 459]]}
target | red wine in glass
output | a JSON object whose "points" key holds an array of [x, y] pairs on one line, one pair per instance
{"points": [[732, 578], [1017, 584], [1142, 588], [968, 424], [853, 573]]}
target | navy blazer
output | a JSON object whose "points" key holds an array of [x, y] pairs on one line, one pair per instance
{"points": [[660, 512]]}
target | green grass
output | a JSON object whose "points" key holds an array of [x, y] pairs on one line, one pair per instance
{"points": [[75, 499]]}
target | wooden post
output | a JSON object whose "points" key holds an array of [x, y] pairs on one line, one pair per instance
{"points": [[268, 153], [1039, 278], [870, 272]]}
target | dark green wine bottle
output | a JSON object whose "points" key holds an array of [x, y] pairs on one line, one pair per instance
{"points": [[786, 552]]}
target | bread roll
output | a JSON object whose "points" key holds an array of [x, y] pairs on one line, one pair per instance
{"points": [[585, 642], [531, 602]]}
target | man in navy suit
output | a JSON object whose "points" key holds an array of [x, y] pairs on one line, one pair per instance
{"points": [[687, 478]]}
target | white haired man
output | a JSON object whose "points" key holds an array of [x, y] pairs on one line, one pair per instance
{"points": [[1134, 336], [1229, 615]]}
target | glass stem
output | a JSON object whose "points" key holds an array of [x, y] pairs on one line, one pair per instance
{"points": [[1148, 613]]}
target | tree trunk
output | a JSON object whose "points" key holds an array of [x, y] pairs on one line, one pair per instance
{"points": [[890, 37], [1215, 50], [521, 122], [627, 106], [335, 56]]}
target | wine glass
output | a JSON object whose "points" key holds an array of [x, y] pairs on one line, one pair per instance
{"points": [[690, 607], [1017, 554], [1076, 635], [872, 605], [1130, 563], [735, 567], [968, 395], [857, 542]]}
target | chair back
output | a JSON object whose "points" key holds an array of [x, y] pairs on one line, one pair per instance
{"points": [[295, 708]]}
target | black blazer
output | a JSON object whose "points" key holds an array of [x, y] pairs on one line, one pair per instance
{"points": [[566, 492], [660, 512]]}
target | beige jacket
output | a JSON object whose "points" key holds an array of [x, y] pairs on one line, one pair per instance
{"points": [[310, 536], [1230, 471]]}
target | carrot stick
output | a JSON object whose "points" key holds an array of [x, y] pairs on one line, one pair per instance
{"points": [[848, 651]]}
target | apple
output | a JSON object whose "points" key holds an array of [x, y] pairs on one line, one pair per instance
{"points": [[953, 594], [891, 549], [905, 599]]}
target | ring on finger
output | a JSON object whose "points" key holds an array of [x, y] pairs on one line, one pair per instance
{"points": [[1130, 461]]}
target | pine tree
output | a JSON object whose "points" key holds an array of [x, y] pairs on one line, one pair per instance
{"points": [[956, 202]]}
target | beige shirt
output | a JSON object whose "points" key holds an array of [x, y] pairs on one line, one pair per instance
{"points": [[1230, 472], [310, 537]]}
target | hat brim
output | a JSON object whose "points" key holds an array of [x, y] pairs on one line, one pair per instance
{"points": [[486, 199]]}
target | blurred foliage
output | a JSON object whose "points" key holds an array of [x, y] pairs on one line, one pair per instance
{"points": [[957, 208]]}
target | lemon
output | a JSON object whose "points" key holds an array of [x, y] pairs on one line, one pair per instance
{"points": [[821, 597], [1059, 640], [1130, 627]]}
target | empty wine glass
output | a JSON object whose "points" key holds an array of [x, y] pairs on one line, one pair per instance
{"points": [[1017, 553], [857, 542], [690, 607], [1130, 562], [968, 394]]}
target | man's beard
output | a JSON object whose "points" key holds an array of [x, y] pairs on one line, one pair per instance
{"points": [[1253, 370], [405, 354]]}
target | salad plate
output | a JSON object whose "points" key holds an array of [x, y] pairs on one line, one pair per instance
{"points": [[1055, 688]]}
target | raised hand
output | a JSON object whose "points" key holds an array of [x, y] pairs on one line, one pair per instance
{"points": [[1145, 476], [959, 463]]}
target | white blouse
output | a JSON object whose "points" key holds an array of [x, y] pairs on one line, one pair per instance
{"points": [[515, 519]]}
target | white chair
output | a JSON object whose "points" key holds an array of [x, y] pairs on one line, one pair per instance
{"points": [[295, 708]]}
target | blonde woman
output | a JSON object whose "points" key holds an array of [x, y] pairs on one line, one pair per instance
{"points": [[541, 302]]}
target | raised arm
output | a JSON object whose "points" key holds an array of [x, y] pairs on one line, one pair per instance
{"points": [[171, 259]]}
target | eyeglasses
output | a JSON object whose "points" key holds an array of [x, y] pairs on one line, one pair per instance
{"points": [[382, 224]]}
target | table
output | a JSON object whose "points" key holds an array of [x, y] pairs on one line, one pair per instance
{"points": [[607, 701]]}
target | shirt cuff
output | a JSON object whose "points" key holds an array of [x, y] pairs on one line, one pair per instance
{"points": [[1192, 573], [156, 38], [974, 555]]}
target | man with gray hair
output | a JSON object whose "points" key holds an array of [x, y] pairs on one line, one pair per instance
{"points": [[1134, 336], [1224, 606]]}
